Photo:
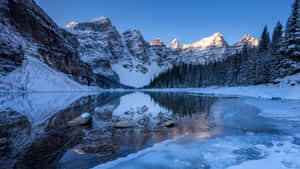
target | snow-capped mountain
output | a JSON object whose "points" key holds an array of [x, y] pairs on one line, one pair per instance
{"points": [[129, 58], [92, 53], [247, 41], [126, 57], [174, 44], [215, 41], [28, 33], [157, 42], [205, 50]]}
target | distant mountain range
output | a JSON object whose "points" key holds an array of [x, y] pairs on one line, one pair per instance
{"points": [[134, 61], [92, 53]]}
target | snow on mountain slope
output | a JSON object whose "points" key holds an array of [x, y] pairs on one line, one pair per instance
{"points": [[136, 78], [216, 40], [206, 50], [174, 44], [127, 57], [248, 41], [34, 75]]}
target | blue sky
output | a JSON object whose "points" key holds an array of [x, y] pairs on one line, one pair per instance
{"points": [[186, 20]]}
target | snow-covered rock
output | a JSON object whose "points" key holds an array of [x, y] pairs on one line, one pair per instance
{"points": [[247, 41], [174, 44], [81, 120], [94, 53], [26, 32], [216, 40], [34, 75], [71, 24], [157, 42], [125, 57]]}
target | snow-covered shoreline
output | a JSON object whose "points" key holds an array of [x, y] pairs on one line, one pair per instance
{"points": [[287, 88]]}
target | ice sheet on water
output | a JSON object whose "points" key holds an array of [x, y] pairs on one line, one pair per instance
{"points": [[267, 145], [277, 109], [218, 153]]}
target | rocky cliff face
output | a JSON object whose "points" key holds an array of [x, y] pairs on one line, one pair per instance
{"points": [[247, 41], [135, 61], [94, 53], [174, 44], [125, 56], [27, 31]]}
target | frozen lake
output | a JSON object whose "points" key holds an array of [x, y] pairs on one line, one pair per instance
{"points": [[210, 132]]}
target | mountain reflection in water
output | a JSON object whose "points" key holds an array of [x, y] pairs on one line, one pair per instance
{"points": [[35, 132]]}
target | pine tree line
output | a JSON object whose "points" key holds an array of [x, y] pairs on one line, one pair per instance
{"points": [[250, 66]]}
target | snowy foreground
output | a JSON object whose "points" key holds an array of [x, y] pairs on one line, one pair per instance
{"points": [[288, 88]]}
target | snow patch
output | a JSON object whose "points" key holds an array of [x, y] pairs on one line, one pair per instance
{"points": [[282, 156], [34, 75], [135, 78]]}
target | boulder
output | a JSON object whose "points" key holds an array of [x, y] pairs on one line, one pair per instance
{"points": [[124, 125], [142, 110], [81, 120], [169, 124]]}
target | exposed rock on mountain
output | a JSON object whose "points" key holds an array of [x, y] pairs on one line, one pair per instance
{"points": [[27, 31], [247, 41], [175, 44], [157, 42], [71, 24], [206, 50], [100, 45], [93, 53], [126, 56], [137, 46], [215, 41]]}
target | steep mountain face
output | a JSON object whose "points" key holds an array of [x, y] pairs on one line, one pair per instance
{"points": [[132, 60], [247, 41], [28, 32], [126, 57], [91, 53], [157, 42], [129, 58], [99, 45], [174, 44], [215, 41], [208, 49]]}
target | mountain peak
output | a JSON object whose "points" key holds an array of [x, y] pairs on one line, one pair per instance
{"points": [[99, 24], [216, 40], [71, 24], [248, 41], [157, 42], [101, 19], [218, 34], [174, 44]]}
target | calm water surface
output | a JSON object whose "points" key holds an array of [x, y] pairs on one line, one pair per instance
{"points": [[210, 131]]}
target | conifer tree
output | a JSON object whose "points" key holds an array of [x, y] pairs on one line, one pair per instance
{"points": [[291, 46], [277, 38], [265, 40]]}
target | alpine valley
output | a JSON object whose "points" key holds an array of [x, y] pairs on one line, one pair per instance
{"points": [[37, 55]]}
